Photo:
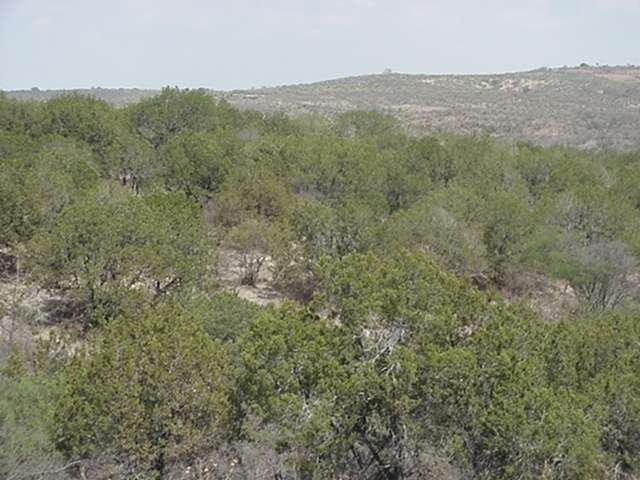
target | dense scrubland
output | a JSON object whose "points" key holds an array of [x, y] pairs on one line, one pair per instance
{"points": [[451, 307]]}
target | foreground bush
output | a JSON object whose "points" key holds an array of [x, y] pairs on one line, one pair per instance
{"points": [[27, 404], [146, 392]]}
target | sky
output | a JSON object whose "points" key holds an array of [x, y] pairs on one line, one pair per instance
{"points": [[228, 44]]}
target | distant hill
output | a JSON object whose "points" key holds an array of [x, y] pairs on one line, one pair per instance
{"points": [[115, 96], [587, 107]]}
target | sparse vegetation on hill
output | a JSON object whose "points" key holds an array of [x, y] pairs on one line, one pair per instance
{"points": [[586, 107], [448, 306]]}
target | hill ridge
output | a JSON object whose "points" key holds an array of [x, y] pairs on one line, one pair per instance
{"points": [[584, 106]]}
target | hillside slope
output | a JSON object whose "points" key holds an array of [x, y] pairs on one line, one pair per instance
{"points": [[587, 107]]}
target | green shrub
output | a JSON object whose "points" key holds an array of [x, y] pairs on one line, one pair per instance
{"points": [[108, 254], [149, 390], [27, 405]]}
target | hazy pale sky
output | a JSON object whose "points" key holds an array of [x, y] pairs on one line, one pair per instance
{"points": [[225, 44]]}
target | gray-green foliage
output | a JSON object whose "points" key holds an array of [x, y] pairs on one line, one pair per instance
{"points": [[39, 181], [432, 227], [113, 251], [390, 367], [197, 162], [27, 405], [147, 391], [224, 316], [411, 364], [82, 118], [159, 118], [250, 242]]}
